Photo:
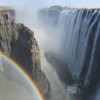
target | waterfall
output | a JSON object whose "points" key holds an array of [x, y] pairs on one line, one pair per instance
{"points": [[73, 49], [48, 17], [79, 43]]}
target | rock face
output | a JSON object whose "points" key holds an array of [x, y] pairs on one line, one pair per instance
{"points": [[78, 32], [18, 42]]}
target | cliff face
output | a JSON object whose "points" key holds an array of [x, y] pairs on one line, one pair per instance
{"points": [[18, 42]]}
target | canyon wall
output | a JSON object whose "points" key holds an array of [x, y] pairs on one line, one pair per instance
{"points": [[17, 41]]}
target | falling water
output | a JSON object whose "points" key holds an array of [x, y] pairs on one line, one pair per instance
{"points": [[79, 32], [76, 41]]}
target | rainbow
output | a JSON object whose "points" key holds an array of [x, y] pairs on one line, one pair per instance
{"points": [[25, 75]]}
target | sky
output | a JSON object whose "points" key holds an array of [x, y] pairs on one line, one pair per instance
{"points": [[46, 3]]}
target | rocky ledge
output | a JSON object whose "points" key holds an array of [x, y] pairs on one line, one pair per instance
{"points": [[18, 42]]}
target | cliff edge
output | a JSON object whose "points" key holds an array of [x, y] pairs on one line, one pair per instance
{"points": [[18, 42]]}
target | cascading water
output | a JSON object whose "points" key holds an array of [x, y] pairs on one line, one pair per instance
{"points": [[76, 46], [79, 32]]}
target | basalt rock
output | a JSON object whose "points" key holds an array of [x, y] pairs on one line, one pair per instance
{"points": [[18, 42]]}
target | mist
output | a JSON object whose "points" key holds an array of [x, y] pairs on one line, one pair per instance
{"points": [[26, 12], [50, 40]]}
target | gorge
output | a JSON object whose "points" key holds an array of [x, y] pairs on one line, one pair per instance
{"points": [[61, 55]]}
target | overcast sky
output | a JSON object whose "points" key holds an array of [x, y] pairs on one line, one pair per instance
{"points": [[45, 3]]}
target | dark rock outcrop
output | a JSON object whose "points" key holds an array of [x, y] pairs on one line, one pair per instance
{"points": [[18, 42]]}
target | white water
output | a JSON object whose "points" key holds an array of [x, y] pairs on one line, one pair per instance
{"points": [[78, 38], [77, 42]]}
